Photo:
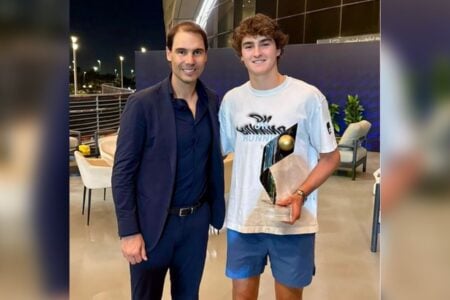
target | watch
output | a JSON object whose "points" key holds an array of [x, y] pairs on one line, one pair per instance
{"points": [[301, 193]]}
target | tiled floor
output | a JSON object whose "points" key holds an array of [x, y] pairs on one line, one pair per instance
{"points": [[345, 267]]}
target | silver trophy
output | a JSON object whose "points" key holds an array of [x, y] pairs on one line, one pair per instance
{"points": [[281, 172], [274, 151]]}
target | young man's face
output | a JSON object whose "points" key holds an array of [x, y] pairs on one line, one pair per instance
{"points": [[187, 57], [259, 54]]}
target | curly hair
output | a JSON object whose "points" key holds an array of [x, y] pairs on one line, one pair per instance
{"points": [[262, 25]]}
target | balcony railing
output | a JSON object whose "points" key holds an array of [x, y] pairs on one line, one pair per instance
{"points": [[89, 114]]}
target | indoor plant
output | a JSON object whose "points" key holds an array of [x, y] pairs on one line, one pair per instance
{"points": [[353, 110]]}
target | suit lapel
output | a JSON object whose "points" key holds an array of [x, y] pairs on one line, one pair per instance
{"points": [[167, 126], [212, 109]]}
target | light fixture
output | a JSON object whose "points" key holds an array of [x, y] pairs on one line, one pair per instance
{"points": [[74, 49], [205, 11], [121, 70]]}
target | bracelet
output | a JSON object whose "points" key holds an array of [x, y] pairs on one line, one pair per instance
{"points": [[302, 194]]}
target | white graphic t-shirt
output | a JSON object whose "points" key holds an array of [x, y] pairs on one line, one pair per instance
{"points": [[251, 118]]}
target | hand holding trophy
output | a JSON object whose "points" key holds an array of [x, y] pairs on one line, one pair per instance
{"points": [[295, 205]]}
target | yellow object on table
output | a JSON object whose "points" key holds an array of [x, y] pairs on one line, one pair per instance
{"points": [[84, 149]]}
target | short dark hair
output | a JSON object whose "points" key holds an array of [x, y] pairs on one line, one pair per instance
{"points": [[262, 25], [186, 26]]}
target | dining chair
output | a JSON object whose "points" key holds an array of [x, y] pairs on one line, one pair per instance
{"points": [[95, 174]]}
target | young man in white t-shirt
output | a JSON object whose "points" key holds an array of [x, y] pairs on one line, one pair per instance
{"points": [[252, 115]]}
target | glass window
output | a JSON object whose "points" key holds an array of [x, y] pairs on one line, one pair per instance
{"points": [[293, 26], [318, 4], [225, 17], [351, 1], [267, 7], [321, 25], [223, 40], [361, 18], [289, 7]]}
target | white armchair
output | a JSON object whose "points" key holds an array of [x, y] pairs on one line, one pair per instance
{"points": [[351, 147], [107, 147], [95, 174], [74, 140]]}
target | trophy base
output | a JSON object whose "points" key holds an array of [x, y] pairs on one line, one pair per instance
{"points": [[276, 213]]}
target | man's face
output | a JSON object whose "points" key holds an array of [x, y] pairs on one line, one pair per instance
{"points": [[187, 57], [259, 54]]}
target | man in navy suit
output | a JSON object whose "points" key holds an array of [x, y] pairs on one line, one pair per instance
{"points": [[168, 173]]}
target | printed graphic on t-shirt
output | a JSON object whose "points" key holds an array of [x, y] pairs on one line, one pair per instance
{"points": [[262, 126], [329, 127], [259, 128]]}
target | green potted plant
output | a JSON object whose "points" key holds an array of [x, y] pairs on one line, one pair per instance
{"points": [[353, 110], [334, 112]]}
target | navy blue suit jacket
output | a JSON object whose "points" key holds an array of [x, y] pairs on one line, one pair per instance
{"points": [[145, 164]]}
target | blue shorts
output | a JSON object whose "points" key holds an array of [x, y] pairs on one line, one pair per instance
{"points": [[291, 256]]}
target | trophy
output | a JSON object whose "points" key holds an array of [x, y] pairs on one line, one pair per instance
{"points": [[281, 172], [274, 151]]}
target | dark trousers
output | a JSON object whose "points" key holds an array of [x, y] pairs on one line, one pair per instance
{"points": [[182, 250]]}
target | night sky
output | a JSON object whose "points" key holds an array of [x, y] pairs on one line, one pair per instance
{"points": [[109, 28]]}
